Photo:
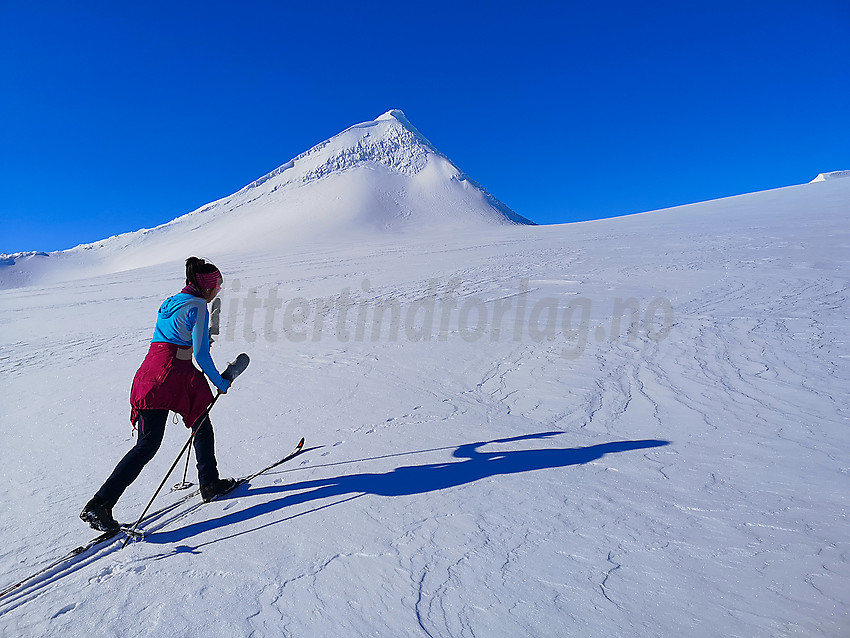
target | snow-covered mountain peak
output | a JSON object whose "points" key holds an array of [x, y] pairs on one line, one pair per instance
{"points": [[374, 177]]}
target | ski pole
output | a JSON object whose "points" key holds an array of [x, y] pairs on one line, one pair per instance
{"points": [[184, 484], [173, 465]]}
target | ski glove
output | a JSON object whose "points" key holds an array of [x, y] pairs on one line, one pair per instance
{"points": [[235, 368]]}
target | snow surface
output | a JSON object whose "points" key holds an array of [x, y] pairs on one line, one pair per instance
{"points": [[488, 472]]}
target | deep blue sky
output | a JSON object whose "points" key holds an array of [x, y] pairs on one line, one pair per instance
{"points": [[116, 116]]}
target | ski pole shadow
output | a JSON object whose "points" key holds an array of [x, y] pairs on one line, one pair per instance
{"points": [[409, 480]]}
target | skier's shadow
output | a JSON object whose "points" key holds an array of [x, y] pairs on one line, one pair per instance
{"points": [[410, 479]]}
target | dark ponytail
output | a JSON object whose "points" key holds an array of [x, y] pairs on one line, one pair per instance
{"points": [[195, 267]]}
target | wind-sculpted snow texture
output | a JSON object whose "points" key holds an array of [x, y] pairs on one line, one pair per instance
{"points": [[398, 151], [473, 483]]}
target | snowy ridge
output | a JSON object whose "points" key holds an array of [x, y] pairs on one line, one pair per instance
{"points": [[822, 177], [9, 259]]}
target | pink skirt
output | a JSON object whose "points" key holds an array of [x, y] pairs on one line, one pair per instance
{"points": [[165, 382]]}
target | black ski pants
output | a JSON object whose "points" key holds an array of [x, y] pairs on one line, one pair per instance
{"points": [[151, 427]]}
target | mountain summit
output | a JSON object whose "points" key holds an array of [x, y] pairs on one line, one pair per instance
{"points": [[374, 177], [382, 174]]}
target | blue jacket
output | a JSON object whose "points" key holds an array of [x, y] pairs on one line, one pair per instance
{"points": [[185, 321]]}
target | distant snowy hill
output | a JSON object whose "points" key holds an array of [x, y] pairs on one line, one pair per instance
{"points": [[375, 177]]}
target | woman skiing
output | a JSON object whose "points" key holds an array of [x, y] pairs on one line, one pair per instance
{"points": [[167, 380]]}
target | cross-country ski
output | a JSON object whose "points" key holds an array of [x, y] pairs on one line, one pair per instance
{"points": [[131, 532]]}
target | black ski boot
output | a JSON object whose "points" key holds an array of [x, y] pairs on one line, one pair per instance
{"points": [[99, 516], [215, 489]]}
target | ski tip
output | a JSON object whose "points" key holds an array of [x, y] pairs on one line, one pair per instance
{"points": [[300, 444]]}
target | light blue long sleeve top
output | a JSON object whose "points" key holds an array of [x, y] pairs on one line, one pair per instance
{"points": [[185, 321]]}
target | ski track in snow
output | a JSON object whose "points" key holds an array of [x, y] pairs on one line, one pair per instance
{"points": [[455, 489]]}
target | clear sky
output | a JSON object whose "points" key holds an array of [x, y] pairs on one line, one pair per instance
{"points": [[116, 116]]}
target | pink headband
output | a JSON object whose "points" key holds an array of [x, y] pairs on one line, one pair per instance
{"points": [[208, 280]]}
